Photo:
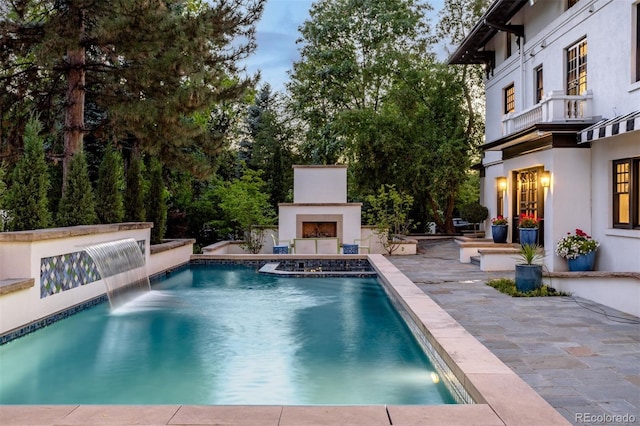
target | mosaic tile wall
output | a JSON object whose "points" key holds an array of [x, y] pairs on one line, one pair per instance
{"points": [[67, 271]]}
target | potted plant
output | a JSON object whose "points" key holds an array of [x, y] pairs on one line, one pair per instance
{"points": [[499, 229], [528, 226], [579, 250], [529, 272]]}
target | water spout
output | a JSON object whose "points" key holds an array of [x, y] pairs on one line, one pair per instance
{"points": [[122, 268]]}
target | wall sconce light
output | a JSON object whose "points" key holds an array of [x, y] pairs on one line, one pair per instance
{"points": [[502, 183], [545, 179]]}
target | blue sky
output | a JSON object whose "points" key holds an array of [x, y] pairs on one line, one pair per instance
{"points": [[277, 32]]}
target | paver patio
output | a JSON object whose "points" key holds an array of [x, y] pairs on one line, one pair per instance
{"points": [[581, 357]]}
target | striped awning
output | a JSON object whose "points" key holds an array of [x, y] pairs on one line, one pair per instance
{"points": [[611, 127]]}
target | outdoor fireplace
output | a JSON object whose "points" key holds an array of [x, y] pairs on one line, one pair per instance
{"points": [[319, 229], [320, 212]]}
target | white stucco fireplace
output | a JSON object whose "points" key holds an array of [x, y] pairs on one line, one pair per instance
{"points": [[319, 212]]}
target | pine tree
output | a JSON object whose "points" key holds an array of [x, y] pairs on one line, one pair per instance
{"points": [[77, 205], [26, 201], [110, 199], [138, 68], [134, 193], [157, 202]]}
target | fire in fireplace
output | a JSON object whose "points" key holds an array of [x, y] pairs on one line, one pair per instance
{"points": [[319, 229]]}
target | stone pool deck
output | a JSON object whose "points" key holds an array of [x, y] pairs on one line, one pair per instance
{"points": [[581, 357], [580, 361]]}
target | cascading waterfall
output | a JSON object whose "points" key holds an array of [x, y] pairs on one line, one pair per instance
{"points": [[122, 267]]}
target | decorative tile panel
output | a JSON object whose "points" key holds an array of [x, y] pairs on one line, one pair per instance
{"points": [[66, 271], [70, 270]]}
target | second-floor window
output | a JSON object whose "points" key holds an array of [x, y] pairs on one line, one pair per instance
{"points": [[577, 68], [509, 99], [539, 88], [508, 51]]}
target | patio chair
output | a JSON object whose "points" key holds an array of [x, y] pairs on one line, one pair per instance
{"points": [[278, 243], [363, 244]]}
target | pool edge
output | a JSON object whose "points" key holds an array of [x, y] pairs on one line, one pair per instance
{"points": [[487, 379]]}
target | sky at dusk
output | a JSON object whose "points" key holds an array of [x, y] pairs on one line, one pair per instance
{"points": [[277, 33]]}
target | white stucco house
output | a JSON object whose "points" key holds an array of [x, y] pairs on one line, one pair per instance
{"points": [[562, 137]]}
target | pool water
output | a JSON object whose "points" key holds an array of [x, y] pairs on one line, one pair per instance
{"points": [[227, 335]]}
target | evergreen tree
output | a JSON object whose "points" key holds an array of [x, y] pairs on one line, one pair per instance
{"points": [[157, 202], [26, 200], [144, 68], [77, 205], [110, 200], [272, 149], [134, 193]]}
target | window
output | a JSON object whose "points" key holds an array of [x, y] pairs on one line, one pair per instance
{"points": [[509, 99], [577, 68], [626, 193], [539, 86], [508, 50]]}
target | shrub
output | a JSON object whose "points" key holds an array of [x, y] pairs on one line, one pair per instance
{"points": [[109, 197], [134, 192], [508, 286], [77, 205], [474, 213], [157, 202], [389, 213], [26, 200]]}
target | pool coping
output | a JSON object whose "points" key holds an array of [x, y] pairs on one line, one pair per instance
{"points": [[501, 397]]}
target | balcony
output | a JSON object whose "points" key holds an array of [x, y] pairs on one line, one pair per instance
{"points": [[556, 107]]}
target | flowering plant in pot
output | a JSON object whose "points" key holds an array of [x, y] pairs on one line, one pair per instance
{"points": [[528, 222], [499, 220], [528, 225], [499, 229], [579, 250]]}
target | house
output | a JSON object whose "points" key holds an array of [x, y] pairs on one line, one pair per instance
{"points": [[562, 139]]}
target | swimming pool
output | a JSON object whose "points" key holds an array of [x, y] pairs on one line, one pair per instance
{"points": [[227, 335]]}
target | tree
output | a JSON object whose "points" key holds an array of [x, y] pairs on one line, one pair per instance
{"points": [[157, 202], [388, 211], [145, 68], [245, 205], [26, 200], [77, 205], [134, 191], [269, 144], [474, 213], [429, 104], [109, 187], [349, 57]]}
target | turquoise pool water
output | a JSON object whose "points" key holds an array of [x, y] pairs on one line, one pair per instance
{"points": [[227, 335]]}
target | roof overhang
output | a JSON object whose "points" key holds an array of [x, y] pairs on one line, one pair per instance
{"points": [[471, 50], [537, 137], [611, 127]]}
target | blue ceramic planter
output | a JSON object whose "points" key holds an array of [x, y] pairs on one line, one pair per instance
{"points": [[528, 236], [528, 277], [499, 233], [584, 262]]}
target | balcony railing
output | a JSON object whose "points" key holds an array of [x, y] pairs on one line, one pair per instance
{"points": [[556, 107]]}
